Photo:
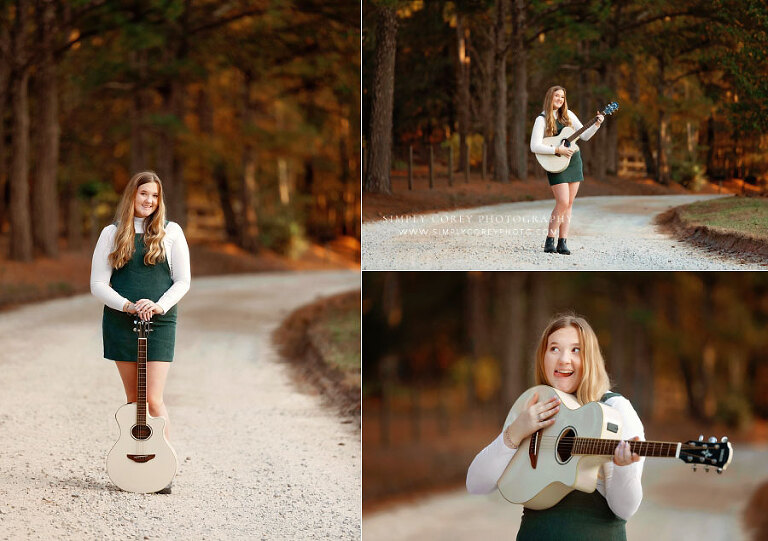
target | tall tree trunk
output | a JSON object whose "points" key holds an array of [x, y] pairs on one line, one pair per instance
{"points": [[5, 73], [485, 62], [710, 146], [641, 129], [662, 167], [519, 153], [45, 204], [500, 160], [377, 179], [248, 225], [21, 226], [462, 98], [512, 330], [139, 161]]}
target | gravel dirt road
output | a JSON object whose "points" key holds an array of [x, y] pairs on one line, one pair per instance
{"points": [[678, 504], [257, 458], [607, 233]]}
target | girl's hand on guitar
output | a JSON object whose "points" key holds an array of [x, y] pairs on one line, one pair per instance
{"points": [[600, 118], [147, 308], [565, 151], [535, 416], [623, 455]]}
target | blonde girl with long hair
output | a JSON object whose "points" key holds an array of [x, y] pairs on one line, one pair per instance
{"points": [[565, 184], [140, 268], [568, 358]]}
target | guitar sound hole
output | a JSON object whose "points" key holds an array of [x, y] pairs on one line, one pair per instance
{"points": [[565, 445], [141, 432]]}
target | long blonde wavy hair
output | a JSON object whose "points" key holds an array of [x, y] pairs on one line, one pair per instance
{"points": [[561, 114], [594, 380], [154, 224]]}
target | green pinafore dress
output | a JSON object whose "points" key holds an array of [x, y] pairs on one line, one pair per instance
{"points": [[573, 173], [580, 516], [136, 281]]}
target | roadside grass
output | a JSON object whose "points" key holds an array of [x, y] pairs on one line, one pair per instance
{"points": [[746, 216], [322, 341]]}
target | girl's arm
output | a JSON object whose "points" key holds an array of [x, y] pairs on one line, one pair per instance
{"points": [[623, 488], [487, 467], [576, 125], [101, 271], [180, 272], [537, 136]]}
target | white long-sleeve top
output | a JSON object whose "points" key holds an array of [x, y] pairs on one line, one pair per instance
{"points": [[540, 125], [621, 486], [176, 251]]}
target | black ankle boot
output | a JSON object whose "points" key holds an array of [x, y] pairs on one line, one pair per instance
{"points": [[549, 245], [562, 248]]}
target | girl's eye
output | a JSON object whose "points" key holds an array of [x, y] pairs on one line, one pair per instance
{"points": [[576, 350], [555, 348]]}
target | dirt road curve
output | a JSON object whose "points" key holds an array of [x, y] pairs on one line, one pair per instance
{"points": [[607, 233], [678, 504], [258, 459]]}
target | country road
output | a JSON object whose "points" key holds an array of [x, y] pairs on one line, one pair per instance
{"points": [[258, 459], [607, 233], [678, 505]]}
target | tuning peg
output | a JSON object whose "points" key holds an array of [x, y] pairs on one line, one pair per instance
{"points": [[724, 440], [694, 467], [706, 469], [719, 470], [701, 437], [712, 439]]}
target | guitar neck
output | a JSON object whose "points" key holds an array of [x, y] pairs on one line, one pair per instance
{"points": [[594, 446], [581, 130], [141, 383]]}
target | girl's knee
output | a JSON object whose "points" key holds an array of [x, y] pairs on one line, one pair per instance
{"points": [[155, 404]]}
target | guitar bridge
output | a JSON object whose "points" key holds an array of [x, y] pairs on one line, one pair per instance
{"points": [[533, 448], [141, 458]]}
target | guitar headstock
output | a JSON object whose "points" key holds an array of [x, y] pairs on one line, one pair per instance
{"points": [[710, 454], [143, 328], [610, 108]]}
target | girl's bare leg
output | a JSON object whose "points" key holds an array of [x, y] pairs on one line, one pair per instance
{"points": [[157, 373], [562, 198], [573, 188]]}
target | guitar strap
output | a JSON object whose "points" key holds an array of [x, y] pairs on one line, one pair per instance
{"points": [[608, 395]]}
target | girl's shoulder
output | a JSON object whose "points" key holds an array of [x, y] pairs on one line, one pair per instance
{"points": [[173, 230]]}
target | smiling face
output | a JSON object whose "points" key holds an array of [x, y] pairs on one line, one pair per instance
{"points": [[146, 200], [563, 361], [558, 98]]}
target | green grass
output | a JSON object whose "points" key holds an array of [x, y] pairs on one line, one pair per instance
{"points": [[743, 215], [336, 333]]}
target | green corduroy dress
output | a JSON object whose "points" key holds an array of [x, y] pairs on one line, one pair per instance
{"points": [[136, 281]]}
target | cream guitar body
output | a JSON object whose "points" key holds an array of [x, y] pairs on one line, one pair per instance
{"points": [[136, 463], [568, 455], [554, 476], [557, 164], [141, 460]]}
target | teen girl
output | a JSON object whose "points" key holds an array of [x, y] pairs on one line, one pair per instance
{"points": [[566, 183], [568, 358], [140, 268]]}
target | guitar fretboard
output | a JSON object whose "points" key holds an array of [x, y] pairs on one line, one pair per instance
{"points": [[594, 446], [581, 130], [141, 383]]}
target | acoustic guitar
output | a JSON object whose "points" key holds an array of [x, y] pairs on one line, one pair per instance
{"points": [[567, 138], [567, 455], [141, 460]]}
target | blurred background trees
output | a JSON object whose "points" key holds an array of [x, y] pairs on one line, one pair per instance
{"points": [[247, 110], [689, 76]]}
